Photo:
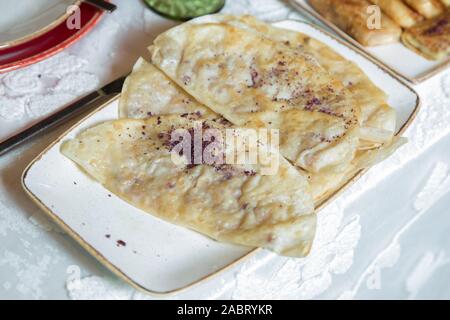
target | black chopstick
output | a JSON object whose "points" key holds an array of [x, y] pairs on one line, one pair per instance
{"points": [[62, 116], [103, 5], [47, 123]]}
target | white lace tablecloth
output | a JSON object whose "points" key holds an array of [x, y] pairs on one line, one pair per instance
{"points": [[385, 237]]}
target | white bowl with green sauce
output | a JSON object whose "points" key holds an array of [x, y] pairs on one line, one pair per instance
{"points": [[185, 9]]}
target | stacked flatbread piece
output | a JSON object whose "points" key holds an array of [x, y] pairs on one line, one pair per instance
{"points": [[422, 25], [237, 73]]}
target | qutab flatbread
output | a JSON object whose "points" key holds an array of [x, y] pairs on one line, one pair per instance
{"points": [[430, 38], [254, 81], [352, 16], [377, 118], [230, 203], [147, 92]]}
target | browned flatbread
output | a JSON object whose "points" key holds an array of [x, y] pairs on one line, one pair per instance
{"points": [[351, 16], [428, 8], [399, 12], [431, 38]]}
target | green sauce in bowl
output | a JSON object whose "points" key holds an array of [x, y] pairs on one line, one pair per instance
{"points": [[185, 9]]}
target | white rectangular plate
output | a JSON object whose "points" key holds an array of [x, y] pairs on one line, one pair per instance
{"points": [[396, 57], [158, 257]]}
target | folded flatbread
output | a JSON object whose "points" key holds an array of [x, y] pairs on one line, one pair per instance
{"points": [[428, 8], [138, 161], [375, 114], [399, 12], [352, 17], [430, 38], [257, 82], [147, 92]]}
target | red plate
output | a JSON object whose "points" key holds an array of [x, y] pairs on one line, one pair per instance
{"points": [[49, 43]]}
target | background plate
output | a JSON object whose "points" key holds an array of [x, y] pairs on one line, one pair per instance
{"points": [[50, 43], [24, 20], [159, 257], [396, 57]]}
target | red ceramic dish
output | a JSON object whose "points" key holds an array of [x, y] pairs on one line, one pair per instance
{"points": [[49, 43]]}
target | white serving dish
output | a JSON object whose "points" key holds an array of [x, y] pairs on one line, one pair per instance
{"points": [[402, 61], [23, 20], [160, 258]]}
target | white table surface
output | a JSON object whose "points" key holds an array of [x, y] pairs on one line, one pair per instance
{"points": [[386, 237]]}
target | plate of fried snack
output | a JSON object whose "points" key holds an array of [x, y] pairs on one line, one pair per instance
{"points": [[228, 140], [411, 37]]}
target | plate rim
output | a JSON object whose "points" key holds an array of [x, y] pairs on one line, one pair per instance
{"points": [[414, 80], [37, 33], [116, 270], [52, 50]]}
